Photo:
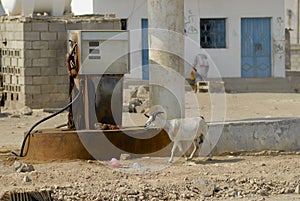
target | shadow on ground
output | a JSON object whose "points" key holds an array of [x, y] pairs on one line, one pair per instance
{"points": [[218, 161]]}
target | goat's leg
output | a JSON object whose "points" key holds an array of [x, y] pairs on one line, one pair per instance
{"points": [[181, 150], [206, 140], [201, 142], [172, 152], [210, 147], [195, 149]]}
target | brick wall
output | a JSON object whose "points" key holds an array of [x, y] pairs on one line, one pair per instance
{"points": [[33, 51]]}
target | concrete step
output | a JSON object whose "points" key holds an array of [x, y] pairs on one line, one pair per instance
{"points": [[275, 85], [294, 79]]}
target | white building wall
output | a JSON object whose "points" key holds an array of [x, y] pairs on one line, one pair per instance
{"points": [[291, 19], [225, 62], [228, 60], [133, 11], [80, 7]]}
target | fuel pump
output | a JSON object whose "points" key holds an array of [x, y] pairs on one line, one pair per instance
{"points": [[97, 62]]}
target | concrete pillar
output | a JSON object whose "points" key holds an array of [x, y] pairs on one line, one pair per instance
{"points": [[166, 55]]}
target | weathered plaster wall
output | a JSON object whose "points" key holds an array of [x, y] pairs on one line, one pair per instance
{"points": [[256, 135]]}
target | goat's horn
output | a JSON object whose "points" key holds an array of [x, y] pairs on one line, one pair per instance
{"points": [[146, 115], [157, 113]]}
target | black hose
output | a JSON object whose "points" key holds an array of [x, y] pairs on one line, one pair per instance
{"points": [[41, 121]]}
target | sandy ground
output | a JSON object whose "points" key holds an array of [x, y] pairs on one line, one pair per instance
{"points": [[254, 176]]}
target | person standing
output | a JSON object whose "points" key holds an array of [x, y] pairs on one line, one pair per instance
{"points": [[201, 68]]}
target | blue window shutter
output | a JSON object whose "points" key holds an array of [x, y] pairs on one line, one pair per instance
{"points": [[218, 33]]}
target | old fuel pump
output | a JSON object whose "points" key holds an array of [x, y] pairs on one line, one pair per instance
{"points": [[100, 60]]}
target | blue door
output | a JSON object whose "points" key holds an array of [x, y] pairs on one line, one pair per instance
{"points": [[145, 50], [256, 47]]}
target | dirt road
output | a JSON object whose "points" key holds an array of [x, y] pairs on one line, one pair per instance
{"points": [[255, 176]]}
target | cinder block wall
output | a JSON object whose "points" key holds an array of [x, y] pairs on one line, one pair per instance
{"points": [[12, 59], [33, 51]]}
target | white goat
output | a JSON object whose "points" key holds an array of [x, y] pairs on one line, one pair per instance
{"points": [[180, 130]]}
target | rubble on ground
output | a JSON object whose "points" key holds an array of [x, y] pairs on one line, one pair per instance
{"points": [[139, 100], [22, 167], [224, 178]]}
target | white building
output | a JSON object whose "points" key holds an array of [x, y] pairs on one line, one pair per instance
{"points": [[292, 13], [292, 20], [242, 38]]}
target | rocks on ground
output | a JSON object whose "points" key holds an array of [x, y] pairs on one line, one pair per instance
{"points": [[297, 190], [22, 167], [139, 100], [213, 180], [26, 111]]}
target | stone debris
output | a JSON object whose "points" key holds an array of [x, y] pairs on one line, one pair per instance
{"points": [[200, 181], [144, 107], [133, 104], [206, 187], [136, 165], [142, 92], [191, 189], [17, 165], [22, 167], [139, 100], [26, 179], [26, 111], [124, 157], [297, 190]]}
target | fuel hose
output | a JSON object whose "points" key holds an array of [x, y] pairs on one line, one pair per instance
{"points": [[41, 121]]}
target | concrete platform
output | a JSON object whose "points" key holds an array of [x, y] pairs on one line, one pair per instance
{"points": [[55, 144], [59, 144], [256, 135], [232, 136], [245, 85]]}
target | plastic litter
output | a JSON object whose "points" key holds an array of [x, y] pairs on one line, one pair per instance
{"points": [[115, 163], [136, 165]]}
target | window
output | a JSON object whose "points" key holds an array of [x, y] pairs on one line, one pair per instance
{"points": [[212, 33]]}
